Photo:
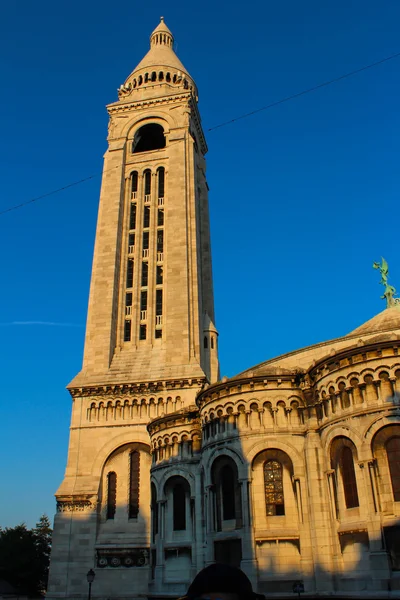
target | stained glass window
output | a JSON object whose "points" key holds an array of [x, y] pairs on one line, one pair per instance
{"points": [[273, 483]]}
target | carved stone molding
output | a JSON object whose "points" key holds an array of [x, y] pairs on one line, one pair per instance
{"points": [[76, 504], [122, 557], [148, 387]]}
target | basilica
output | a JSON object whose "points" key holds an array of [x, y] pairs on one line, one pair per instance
{"points": [[289, 470]]}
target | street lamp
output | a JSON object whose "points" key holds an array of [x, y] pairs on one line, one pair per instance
{"points": [[90, 578]]}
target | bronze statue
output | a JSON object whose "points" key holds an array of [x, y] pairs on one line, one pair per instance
{"points": [[390, 291]]}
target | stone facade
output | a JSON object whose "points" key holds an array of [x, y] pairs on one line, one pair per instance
{"points": [[290, 470]]}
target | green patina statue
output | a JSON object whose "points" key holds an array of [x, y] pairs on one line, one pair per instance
{"points": [[390, 291]]}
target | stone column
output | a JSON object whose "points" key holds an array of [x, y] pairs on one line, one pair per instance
{"points": [[249, 562], [322, 543]]}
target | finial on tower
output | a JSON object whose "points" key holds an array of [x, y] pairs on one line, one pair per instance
{"points": [[390, 291], [162, 36]]}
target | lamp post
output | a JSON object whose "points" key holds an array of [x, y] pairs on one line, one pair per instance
{"points": [[90, 578]]}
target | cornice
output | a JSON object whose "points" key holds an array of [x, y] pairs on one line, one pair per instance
{"points": [[348, 353], [244, 385], [145, 387], [184, 416], [118, 107]]}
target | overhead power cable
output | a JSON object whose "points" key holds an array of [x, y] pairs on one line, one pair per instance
{"points": [[65, 187], [307, 91], [243, 116]]}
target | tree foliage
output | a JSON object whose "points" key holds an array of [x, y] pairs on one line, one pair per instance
{"points": [[25, 556]]}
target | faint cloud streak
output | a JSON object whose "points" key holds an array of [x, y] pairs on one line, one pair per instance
{"points": [[44, 323]]}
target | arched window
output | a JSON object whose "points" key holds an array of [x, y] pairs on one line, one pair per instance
{"points": [[111, 494], [148, 137], [349, 478], [227, 490], [179, 507], [134, 474], [273, 483], [393, 456], [147, 182]]}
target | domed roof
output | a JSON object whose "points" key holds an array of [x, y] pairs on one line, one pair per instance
{"points": [[161, 53], [384, 321]]}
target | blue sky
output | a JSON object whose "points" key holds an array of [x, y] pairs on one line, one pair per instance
{"points": [[303, 197]]}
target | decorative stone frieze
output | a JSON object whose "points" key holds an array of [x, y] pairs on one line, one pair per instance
{"points": [[115, 558], [77, 503]]}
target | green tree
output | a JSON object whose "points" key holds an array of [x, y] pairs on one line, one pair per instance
{"points": [[24, 556], [43, 533]]}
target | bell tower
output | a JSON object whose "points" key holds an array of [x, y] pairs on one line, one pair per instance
{"points": [[151, 342], [151, 308]]}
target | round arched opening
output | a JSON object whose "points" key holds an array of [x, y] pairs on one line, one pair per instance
{"points": [[148, 137]]}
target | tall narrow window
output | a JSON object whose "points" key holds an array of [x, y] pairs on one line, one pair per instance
{"points": [[134, 184], [228, 492], [145, 274], [128, 299], [127, 331], [159, 275], [349, 478], [205, 342], [159, 296], [179, 507], [111, 494], [160, 217], [393, 456], [132, 216], [143, 302], [273, 484], [129, 274], [131, 242], [146, 217], [147, 183], [134, 478], [145, 240], [142, 332], [154, 512], [161, 182], [160, 240]]}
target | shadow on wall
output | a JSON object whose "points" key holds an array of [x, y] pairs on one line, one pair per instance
{"points": [[316, 514], [107, 531]]}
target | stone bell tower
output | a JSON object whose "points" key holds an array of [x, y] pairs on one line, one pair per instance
{"points": [[151, 342]]}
